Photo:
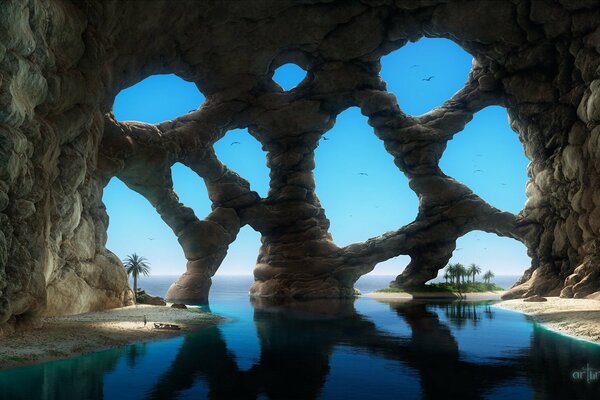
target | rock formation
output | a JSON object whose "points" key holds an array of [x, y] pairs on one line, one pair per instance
{"points": [[63, 62]]}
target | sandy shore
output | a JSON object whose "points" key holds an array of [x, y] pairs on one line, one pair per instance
{"points": [[435, 296], [575, 317], [61, 337]]}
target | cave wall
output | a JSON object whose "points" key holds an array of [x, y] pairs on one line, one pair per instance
{"points": [[52, 221], [63, 62]]}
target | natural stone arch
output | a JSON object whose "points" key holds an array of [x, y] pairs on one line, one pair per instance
{"points": [[65, 61]]}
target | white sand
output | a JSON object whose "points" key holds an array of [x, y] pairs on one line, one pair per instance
{"points": [[435, 295], [61, 337], [574, 317]]}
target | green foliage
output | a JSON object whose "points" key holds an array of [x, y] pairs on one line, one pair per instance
{"points": [[140, 295], [467, 287], [487, 277], [391, 290], [136, 265]]}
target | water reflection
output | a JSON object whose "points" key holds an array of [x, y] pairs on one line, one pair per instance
{"points": [[75, 378], [297, 341], [333, 349]]}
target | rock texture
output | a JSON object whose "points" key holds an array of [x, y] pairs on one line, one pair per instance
{"points": [[63, 62]]}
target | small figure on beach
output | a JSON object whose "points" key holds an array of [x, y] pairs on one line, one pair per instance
{"points": [[145, 320]]}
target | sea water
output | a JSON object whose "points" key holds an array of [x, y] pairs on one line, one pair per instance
{"points": [[363, 349]]}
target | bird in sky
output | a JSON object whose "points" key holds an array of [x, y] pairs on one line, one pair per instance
{"points": [[428, 78], [503, 184], [232, 143], [150, 238], [414, 65], [460, 248], [325, 138], [478, 170], [362, 173]]}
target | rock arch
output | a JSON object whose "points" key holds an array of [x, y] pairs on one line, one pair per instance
{"points": [[62, 63]]}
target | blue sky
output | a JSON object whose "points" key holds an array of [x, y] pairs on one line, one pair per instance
{"points": [[486, 155]]}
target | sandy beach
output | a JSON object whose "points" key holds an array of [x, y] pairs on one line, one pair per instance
{"points": [[435, 296], [575, 317], [61, 337]]}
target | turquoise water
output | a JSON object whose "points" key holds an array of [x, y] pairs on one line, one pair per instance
{"points": [[359, 349]]}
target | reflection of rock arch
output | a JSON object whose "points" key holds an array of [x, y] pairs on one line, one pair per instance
{"points": [[297, 342]]}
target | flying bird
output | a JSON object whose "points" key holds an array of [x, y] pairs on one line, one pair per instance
{"points": [[460, 248], [414, 65], [428, 78], [325, 138], [478, 170], [232, 143], [150, 238], [478, 155], [362, 173], [503, 184]]}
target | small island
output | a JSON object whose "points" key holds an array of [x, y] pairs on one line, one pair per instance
{"points": [[460, 283]]}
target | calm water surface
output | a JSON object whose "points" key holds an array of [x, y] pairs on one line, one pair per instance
{"points": [[364, 349]]}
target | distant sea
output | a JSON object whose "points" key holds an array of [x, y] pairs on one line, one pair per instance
{"points": [[157, 285]]}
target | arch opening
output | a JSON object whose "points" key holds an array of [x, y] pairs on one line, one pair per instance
{"points": [[424, 74], [136, 227], [191, 190], [506, 257], [289, 75], [241, 152], [157, 98], [488, 157], [392, 267], [362, 191], [242, 254]]}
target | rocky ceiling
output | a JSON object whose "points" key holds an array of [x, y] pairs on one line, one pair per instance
{"points": [[63, 62]]}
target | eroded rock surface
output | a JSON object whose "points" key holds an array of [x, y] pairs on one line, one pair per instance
{"points": [[62, 63]]}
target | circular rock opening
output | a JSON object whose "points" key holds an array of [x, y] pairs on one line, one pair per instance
{"points": [[289, 75]]}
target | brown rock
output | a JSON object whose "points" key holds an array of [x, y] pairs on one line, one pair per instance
{"points": [[60, 145], [535, 298], [152, 300]]}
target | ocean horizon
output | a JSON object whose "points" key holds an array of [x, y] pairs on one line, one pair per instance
{"points": [[157, 285]]}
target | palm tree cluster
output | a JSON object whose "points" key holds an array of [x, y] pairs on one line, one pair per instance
{"points": [[457, 273]]}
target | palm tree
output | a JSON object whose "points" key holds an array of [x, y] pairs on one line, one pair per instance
{"points": [[136, 265], [461, 272], [488, 276], [451, 271], [473, 270]]}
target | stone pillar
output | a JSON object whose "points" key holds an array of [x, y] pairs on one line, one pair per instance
{"points": [[297, 256]]}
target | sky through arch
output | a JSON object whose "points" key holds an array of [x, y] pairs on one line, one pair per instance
{"points": [[163, 97]]}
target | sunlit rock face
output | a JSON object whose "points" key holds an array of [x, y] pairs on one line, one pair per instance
{"points": [[62, 63]]}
